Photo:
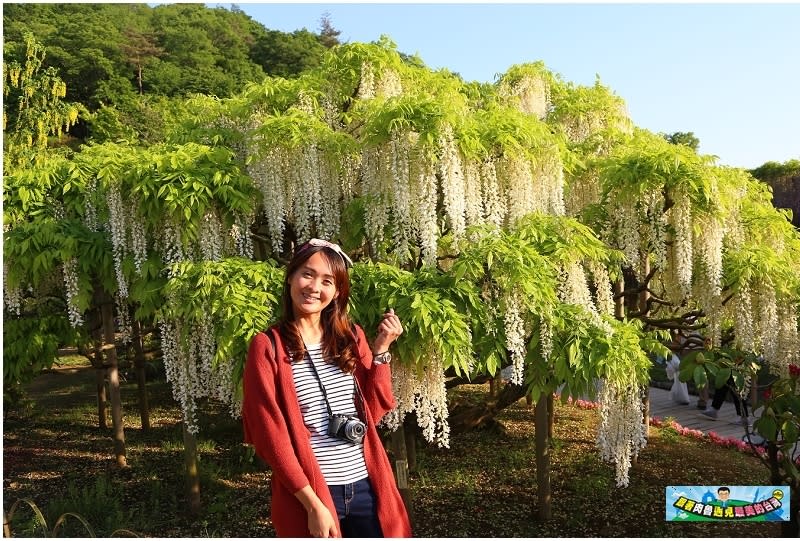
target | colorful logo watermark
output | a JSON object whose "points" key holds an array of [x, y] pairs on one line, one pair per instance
{"points": [[729, 503]]}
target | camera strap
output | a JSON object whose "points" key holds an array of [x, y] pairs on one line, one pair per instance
{"points": [[319, 381], [356, 393]]}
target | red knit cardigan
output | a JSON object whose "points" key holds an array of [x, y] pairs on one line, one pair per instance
{"points": [[273, 424]]}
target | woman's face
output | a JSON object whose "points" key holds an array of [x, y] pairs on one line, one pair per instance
{"points": [[312, 286]]}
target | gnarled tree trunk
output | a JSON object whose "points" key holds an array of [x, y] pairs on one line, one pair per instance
{"points": [[468, 417]]}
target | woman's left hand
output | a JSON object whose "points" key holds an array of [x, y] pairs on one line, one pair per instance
{"points": [[388, 331]]}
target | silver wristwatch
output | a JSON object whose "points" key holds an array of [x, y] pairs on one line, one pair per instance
{"points": [[382, 358]]}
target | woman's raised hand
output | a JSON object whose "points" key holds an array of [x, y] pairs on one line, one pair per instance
{"points": [[388, 331]]}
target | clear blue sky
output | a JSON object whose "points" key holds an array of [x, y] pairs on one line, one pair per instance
{"points": [[730, 73]]}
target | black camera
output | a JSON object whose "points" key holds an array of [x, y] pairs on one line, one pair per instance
{"points": [[347, 427]]}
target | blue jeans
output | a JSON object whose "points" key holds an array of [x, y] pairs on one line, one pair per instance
{"points": [[355, 505]]}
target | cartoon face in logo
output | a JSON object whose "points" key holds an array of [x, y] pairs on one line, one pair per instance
{"points": [[778, 494]]}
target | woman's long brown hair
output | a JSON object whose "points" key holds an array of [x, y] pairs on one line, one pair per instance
{"points": [[338, 340]]}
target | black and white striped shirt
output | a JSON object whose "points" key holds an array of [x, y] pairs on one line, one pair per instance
{"points": [[341, 461]]}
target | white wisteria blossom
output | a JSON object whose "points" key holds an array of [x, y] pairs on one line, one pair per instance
{"points": [[494, 207], [622, 433], [682, 260], [366, 86], [12, 297], [267, 170], [70, 269], [604, 296], [90, 210], [452, 181], [709, 234], [239, 241], [623, 230], [117, 225], [424, 394], [473, 202], [210, 237], [532, 95], [423, 209], [514, 326]]}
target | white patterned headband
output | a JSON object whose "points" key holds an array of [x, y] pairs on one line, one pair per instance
{"points": [[325, 244]]}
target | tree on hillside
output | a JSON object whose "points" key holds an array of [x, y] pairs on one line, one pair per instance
{"points": [[287, 55], [687, 139], [138, 49], [328, 35]]}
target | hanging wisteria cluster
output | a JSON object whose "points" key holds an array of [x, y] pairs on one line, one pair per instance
{"points": [[637, 226], [622, 432], [399, 181], [12, 296], [678, 278], [189, 347], [90, 209], [170, 244], [424, 394], [239, 241], [454, 188], [385, 83], [604, 296], [299, 185], [661, 229], [402, 177], [117, 226], [514, 327], [70, 269], [770, 326], [531, 93], [573, 288], [787, 343], [189, 353], [685, 248]]}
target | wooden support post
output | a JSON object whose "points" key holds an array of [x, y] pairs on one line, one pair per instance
{"points": [[192, 471], [141, 377], [102, 398], [398, 444], [544, 494], [109, 335]]}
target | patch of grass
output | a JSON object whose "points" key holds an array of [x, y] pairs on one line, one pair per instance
{"points": [[483, 486], [72, 361], [99, 503]]}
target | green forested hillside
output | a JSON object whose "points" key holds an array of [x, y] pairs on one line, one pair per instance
{"points": [[107, 54]]}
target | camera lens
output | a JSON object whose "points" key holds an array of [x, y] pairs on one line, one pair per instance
{"points": [[354, 430]]}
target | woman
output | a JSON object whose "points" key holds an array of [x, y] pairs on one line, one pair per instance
{"points": [[313, 392]]}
